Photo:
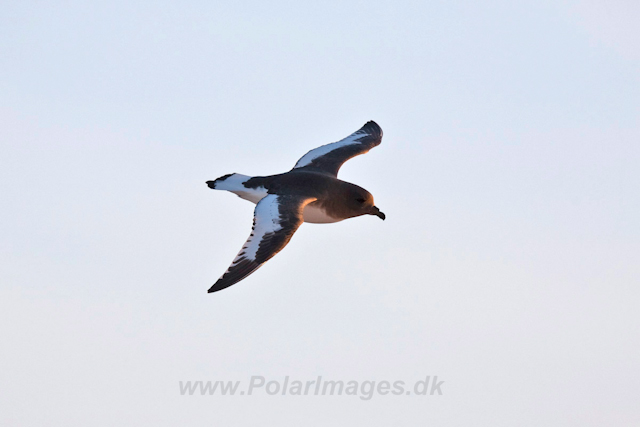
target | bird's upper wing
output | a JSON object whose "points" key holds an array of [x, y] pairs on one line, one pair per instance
{"points": [[328, 158], [275, 219]]}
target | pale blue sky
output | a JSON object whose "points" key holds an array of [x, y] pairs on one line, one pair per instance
{"points": [[508, 263]]}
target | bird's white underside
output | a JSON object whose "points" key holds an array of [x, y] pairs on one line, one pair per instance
{"points": [[315, 215]]}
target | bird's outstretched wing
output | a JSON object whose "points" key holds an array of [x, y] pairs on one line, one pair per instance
{"points": [[328, 158], [275, 219]]}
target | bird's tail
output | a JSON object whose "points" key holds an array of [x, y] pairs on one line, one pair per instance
{"points": [[229, 182], [234, 182]]}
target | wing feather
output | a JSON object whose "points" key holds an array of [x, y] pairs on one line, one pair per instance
{"points": [[330, 157], [276, 218]]}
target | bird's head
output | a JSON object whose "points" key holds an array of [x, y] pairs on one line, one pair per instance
{"points": [[361, 202]]}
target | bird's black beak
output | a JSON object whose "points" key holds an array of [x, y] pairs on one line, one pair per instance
{"points": [[375, 211]]}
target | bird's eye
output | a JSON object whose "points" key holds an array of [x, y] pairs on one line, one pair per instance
{"points": [[360, 200]]}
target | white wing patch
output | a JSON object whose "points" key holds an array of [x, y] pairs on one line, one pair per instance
{"points": [[267, 220], [276, 218], [330, 158], [321, 151]]}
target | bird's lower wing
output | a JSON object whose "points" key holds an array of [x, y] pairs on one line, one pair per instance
{"points": [[275, 219]]}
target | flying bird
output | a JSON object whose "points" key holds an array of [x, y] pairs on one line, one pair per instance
{"points": [[310, 192]]}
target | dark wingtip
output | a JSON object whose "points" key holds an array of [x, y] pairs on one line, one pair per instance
{"points": [[237, 272], [372, 128], [216, 287], [211, 184]]}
